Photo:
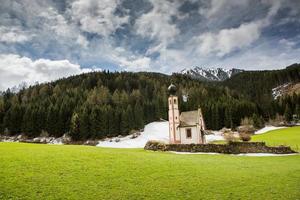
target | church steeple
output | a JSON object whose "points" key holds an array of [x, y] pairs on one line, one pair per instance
{"points": [[173, 115]]}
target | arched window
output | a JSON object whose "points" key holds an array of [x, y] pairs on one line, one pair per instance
{"points": [[174, 101]]}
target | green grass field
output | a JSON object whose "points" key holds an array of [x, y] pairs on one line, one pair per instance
{"points": [[37, 171], [288, 136]]}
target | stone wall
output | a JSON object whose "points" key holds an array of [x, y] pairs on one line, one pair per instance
{"points": [[231, 148]]}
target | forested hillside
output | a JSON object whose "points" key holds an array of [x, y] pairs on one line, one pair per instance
{"points": [[257, 86], [101, 104]]}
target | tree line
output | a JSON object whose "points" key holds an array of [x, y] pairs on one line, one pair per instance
{"points": [[105, 104]]}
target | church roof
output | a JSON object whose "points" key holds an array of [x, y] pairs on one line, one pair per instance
{"points": [[189, 118], [172, 89]]}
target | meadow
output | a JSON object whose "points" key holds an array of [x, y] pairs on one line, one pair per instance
{"points": [[38, 171], [289, 136]]}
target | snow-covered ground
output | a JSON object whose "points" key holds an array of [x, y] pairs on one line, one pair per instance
{"points": [[279, 90], [268, 128], [153, 131], [216, 136], [160, 131]]}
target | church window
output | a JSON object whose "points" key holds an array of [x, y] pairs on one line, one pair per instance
{"points": [[188, 132], [174, 101]]}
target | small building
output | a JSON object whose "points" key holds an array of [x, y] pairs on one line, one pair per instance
{"points": [[186, 127]]}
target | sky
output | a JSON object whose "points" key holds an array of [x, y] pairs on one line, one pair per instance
{"points": [[43, 40]]}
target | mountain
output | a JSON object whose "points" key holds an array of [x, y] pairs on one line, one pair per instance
{"points": [[211, 74]]}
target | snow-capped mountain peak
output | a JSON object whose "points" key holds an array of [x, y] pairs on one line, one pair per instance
{"points": [[210, 74]]}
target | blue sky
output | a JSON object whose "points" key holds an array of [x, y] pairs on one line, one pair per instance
{"points": [[42, 40]]}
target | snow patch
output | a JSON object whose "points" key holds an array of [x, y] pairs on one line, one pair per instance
{"points": [[58, 141], [216, 136], [279, 90], [210, 73], [267, 129], [153, 131]]}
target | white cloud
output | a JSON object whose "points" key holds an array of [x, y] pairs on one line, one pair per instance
{"points": [[12, 35], [97, 16], [263, 57], [227, 40], [62, 29], [157, 24], [221, 6], [15, 69], [287, 43], [135, 64], [59, 31], [127, 60]]}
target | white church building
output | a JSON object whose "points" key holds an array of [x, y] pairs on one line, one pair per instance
{"points": [[185, 127]]}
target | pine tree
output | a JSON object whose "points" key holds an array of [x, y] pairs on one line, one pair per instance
{"points": [[138, 116], [228, 117], [288, 115], [297, 110], [52, 117], [215, 117], [2, 114], [75, 127], [84, 120], [96, 123], [257, 121], [126, 117]]}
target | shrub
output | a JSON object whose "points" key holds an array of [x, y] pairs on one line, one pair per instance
{"points": [[249, 129], [6, 132], [245, 137], [277, 121], [229, 137], [44, 134], [247, 122]]}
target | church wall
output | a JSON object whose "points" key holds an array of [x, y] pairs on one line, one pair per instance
{"points": [[194, 135]]}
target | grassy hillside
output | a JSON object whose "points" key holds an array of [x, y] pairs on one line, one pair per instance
{"points": [[289, 136], [31, 171]]}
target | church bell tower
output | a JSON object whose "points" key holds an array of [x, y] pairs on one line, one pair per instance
{"points": [[174, 136]]}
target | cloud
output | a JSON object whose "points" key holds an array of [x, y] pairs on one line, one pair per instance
{"points": [[264, 56], [15, 69], [98, 17], [13, 35], [230, 39], [157, 24], [221, 6], [149, 35], [61, 27], [287, 43]]}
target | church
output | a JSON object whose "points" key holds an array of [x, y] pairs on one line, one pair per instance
{"points": [[185, 127]]}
